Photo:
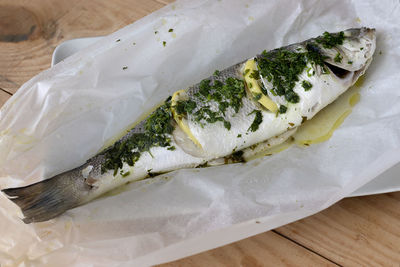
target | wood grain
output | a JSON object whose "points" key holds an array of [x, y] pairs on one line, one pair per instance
{"points": [[4, 96], [356, 231], [267, 249], [30, 30]]}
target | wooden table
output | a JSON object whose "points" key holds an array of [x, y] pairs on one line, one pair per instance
{"points": [[355, 231]]}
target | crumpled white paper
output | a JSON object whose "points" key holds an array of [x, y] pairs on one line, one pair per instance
{"points": [[64, 115]]}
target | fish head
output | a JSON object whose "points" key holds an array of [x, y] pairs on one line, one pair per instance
{"points": [[350, 59]]}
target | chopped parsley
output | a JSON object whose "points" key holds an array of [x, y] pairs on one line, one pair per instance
{"points": [[257, 96], [124, 68], [349, 62], [282, 67], [255, 75], [306, 85], [329, 40], [227, 94], [157, 129], [338, 58], [217, 73], [258, 118], [164, 43], [170, 30], [282, 109]]}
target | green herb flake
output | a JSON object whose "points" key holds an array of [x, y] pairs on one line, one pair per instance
{"points": [[255, 75], [157, 131], [155, 32], [282, 109], [329, 40], [217, 73], [227, 125], [361, 48], [306, 85], [125, 174], [338, 58], [170, 30], [125, 67], [258, 118], [118, 40], [349, 62], [257, 96], [246, 71], [239, 135], [164, 43]]}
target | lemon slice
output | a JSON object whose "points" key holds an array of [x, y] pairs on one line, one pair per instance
{"points": [[182, 122], [254, 87]]}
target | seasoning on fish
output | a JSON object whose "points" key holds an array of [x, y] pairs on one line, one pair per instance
{"points": [[223, 119]]}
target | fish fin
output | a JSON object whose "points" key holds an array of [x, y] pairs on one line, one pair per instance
{"points": [[47, 199]]}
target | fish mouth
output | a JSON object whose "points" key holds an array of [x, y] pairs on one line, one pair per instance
{"points": [[337, 71]]}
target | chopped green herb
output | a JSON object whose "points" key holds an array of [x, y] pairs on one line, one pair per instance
{"points": [[124, 68], [258, 118], [125, 174], [239, 135], [361, 48], [255, 74], [246, 71], [157, 130], [164, 43], [306, 85], [155, 32], [118, 40], [183, 107], [172, 148], [338, 58], [170, 30], [250, 85], [281, 68], [257, 96], [349, 62], [227, 125], [310, 72], [282, 109], [329, 40], [226, 94], [217, 73]]}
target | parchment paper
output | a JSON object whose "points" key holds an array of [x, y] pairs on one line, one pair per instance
{"points": [[64, 115]]}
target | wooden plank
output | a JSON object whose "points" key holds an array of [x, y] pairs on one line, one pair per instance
{"points": [[267, 249], [4, 96], [30, 30], [356, 231]]}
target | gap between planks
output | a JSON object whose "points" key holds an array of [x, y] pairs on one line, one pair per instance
{"points": [[307, 248]]}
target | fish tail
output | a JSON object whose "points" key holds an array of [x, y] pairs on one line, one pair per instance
{"points": [[47, 199]]}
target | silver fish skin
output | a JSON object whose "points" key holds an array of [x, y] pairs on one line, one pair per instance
{"points": [[52, 197]]}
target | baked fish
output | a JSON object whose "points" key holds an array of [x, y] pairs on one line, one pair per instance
{"points": [[254, 104]]}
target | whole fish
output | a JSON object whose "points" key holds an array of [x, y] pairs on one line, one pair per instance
{"points": [[254, 104]]}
